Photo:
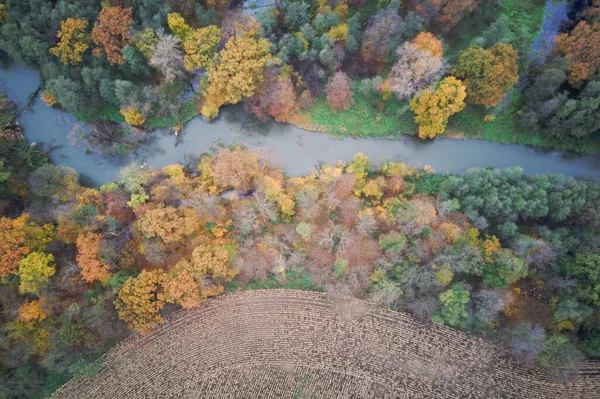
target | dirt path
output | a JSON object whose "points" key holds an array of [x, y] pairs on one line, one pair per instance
{"points": [[293, 344]]}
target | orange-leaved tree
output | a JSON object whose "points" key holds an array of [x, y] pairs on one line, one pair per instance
{"points": [[110, 33], [488, 74], [19, 237], [181, 288], [88, 249], [582, 47], [235, 168], [433, 108], [140, 300], [236, 72], [74, 41], [428, 42]]}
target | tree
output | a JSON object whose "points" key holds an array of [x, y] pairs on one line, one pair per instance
{"points": [[339, 93], [139, 301], [562, 356], [18, 238], [35, 270], [487, 74], [585, 267], [525, 339], [427, 42], [214, 260], [236, 73], [133, 116], [416, 68], [433, 108], [453, 309], [88, 250], [181, 288], [505, 269], [450, 12], [296, 14], [50, 181], [276, 96], [576, 117], [178, 26], [110, 33], [201, 46], [73, 41], [145, 40], [582, 47], [236, 168], [169, 224], [382, 31], [67, 91], [167, 56]]}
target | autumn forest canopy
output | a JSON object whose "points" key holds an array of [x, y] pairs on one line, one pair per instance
{"points": [[509, 257]]}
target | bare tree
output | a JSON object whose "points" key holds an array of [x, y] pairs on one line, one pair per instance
{"points": [[167, 56], [414, 70]]}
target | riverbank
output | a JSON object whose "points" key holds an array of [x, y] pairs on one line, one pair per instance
{"points": [[373, 118]]}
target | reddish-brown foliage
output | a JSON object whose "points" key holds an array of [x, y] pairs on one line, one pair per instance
{"points": [[362, 253], [110, 33], [451, 11], [344, 185], [582, 47], [276, 97], [339, 94], [236, 168]]}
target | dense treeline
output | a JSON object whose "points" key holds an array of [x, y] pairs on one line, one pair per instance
{"points": [[160, 63], [512, 257]]}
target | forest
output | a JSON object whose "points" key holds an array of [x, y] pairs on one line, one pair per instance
{"points": [[509, 257], [466, 68]]}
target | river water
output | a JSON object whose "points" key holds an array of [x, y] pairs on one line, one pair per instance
{"points": [[298, 151]]}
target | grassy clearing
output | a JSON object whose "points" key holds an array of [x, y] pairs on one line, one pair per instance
{"points": [[364, 119], [370, 117]]}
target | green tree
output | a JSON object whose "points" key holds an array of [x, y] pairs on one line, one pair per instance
{"points": [[68, 93], [585, 267], [505, 269], [453, 311]]}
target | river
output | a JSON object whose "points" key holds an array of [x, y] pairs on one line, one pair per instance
{"points": [[298, 151]]}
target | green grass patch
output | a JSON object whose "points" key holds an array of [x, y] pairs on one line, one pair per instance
{"points": [[363, 119], [107, 112]]}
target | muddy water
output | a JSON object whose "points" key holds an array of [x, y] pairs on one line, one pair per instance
{"points": [[298, 151]]}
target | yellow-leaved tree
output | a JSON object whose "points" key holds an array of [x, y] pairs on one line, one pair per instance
{"points": [[74, 41], [236, 72], [201, 46], [133, 116], [140, 300], [433, 108], [35, 270]]}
